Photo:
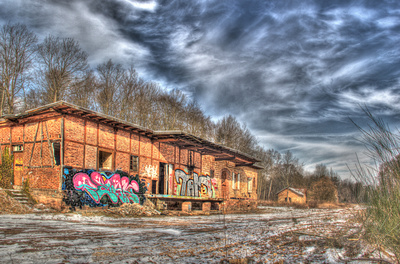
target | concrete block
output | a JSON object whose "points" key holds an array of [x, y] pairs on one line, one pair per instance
{"points": [[187, 206]]}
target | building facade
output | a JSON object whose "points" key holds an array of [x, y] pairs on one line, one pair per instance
{"points": [[68, 152], [292, 195]]}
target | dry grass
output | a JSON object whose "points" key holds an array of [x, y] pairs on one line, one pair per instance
{"points": [[9, 205]]}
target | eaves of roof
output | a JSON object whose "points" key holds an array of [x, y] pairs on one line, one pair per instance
{"points": [[174, 137]]}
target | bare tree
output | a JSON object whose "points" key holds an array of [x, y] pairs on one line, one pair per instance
{"points": [[195, 121], [228, 131], [82, 91], [63, 64], [131, 86], [172, 108], [145, 104], [17, 48], [110, 84]]}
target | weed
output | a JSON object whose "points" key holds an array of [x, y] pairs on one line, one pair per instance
{"points": [[6, 169], [381, 218]]}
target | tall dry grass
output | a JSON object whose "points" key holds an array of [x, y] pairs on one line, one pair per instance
{"points": [[381, 219]]}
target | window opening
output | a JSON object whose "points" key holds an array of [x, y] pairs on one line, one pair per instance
{"points": [[249, 184], [154, 187], [56, 154], [17, 148], [105, 160], [134, 163]]}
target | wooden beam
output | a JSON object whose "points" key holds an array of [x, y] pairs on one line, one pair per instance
{"points": [[243, 164], [166, 140], [49, 144], [227, 158], [33, 147]]}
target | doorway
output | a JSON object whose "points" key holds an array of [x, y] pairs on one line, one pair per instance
{"points": [[225, 184], [161, 179], [18, 167]]}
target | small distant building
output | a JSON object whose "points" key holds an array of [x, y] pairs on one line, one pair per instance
{"points": [[292, 195]]}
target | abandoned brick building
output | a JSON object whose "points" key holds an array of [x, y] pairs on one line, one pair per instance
{"points": [[62, 148], [292, 195]]}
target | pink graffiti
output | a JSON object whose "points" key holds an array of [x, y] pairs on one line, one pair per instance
{"points": [[214, 183], [115, 187]]}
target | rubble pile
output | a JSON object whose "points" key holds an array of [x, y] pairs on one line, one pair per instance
{"points": [[9, 205], [133, 209]]}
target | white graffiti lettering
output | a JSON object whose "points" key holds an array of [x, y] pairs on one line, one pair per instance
{"points": [[194, 185]]}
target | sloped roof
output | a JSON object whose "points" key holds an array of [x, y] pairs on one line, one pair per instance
{"points": [[300, 192], [175, 137]]}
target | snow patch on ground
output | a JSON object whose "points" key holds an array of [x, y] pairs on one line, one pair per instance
{"points": [[292, 235]]}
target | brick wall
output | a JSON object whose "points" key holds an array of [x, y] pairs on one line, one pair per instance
{"points": [[5, 134], [44, 178], [91, 133], [18, 134], [106, 136], [74, 129], [123, 141], [167, 153], [84, 138]]}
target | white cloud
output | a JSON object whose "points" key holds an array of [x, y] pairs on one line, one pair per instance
{"points": [[388, 22], [142, 5], [97, 34], [370, 96]]}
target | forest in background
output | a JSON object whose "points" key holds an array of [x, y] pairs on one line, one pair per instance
{"points": [[36, 73]]}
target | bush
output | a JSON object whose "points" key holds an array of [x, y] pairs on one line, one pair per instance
{"points": [[381, 219], [323, 191], [27, 190], [312, 204], [6, 169]]}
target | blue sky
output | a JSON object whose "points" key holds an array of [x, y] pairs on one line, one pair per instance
{"points": [[293, 71]]}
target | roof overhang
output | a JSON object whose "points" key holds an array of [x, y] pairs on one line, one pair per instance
{"points": [[175, 137], [62, 107], [205, 147]]}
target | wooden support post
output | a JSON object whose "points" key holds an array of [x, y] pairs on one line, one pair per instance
{"points": [[41, 145], [62, 153], [34, 142], [49, 143]]}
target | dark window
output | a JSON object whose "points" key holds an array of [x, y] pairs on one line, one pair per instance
{"points": [[134, 163], [161, 178], [212, 173], [105, 160], [154, 187], [56, 153]]}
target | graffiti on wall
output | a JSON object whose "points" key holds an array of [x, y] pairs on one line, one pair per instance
{"points": [[18, 164], [194, 185], [150, 171], [93, 188], [115, 187]]}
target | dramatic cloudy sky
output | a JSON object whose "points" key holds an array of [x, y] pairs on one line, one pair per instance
{"points": [[293, 71]]}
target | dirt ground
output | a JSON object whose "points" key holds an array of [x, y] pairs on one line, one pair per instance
{"points": [[276, 235]]}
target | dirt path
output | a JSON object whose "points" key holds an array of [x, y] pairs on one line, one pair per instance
{"points": [[280, 235]]}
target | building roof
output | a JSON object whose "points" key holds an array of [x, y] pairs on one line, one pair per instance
{"points": [[300, 192], [176, 137]]}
